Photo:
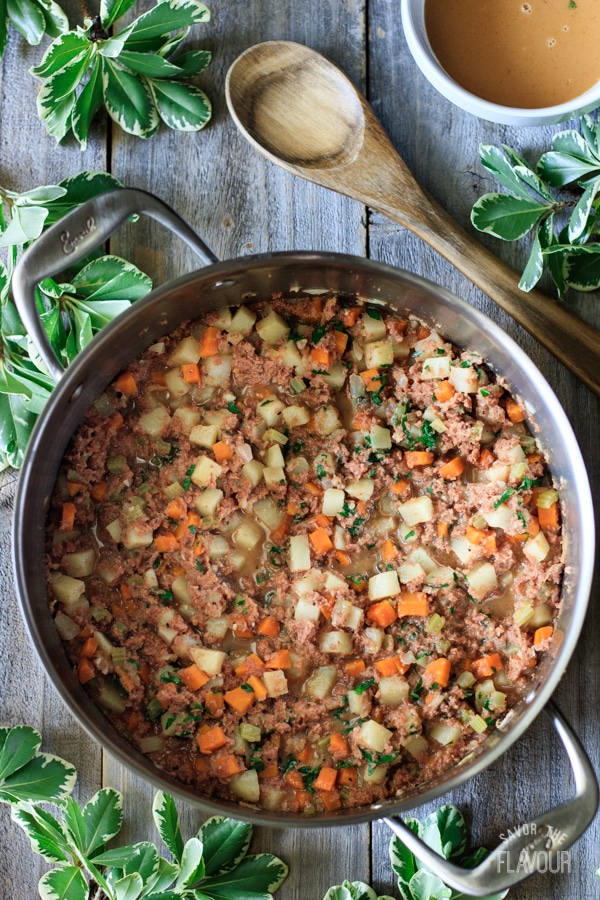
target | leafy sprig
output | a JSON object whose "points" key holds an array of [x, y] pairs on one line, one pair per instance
{"points": [[354, 890], [72, 311], [134, 73], [565, 227], [32, 18], [212, 865]]}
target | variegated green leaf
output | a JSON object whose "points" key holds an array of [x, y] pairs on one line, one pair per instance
{"points": [[192, 865], [534, 182], [166, 819], [3, 27], [149, 64], [66, 883], [535, 266], [54, 16], [129, 100], [145, 861], [497, 163], [452, 828], [129, 888], [43, 830], [226, 843], [183, 107], [506, 216], [112, 10], [260, 875], [56, 116], [65, 49], [580, 216], [39, 196], [424, 885], [102, 817], [45, 777], [63, 82], [26, 225], [168, 16], [80, 188], [87, 105], [111, 278], [582, 267], [18, 745], [27, 18], [192, 62]]}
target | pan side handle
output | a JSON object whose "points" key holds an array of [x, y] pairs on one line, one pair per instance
{"points": [[73, 238], [536, 845]]}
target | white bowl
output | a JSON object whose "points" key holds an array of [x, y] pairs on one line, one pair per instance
{"points": [[413, 21]]}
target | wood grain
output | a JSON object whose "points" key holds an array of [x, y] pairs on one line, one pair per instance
{"points": [[242, 204]]}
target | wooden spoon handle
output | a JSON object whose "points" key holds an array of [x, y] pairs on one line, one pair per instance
{"points": [[565, 335]]}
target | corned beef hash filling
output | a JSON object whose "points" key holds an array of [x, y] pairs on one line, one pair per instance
{"points": [[304, 553]]}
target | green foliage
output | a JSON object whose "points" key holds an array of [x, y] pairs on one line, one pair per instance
{"points": [[445, 832], [353, 890], [32, 18], [72, 311], [564, 227], [211, 865], [134, 72]]}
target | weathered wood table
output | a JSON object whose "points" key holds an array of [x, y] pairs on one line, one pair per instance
{"points": [[242, 204]]}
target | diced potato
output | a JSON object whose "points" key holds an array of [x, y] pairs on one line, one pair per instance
{"points": [[65, 626], [186, 351], [242, 321], [307, 611], [67, 590], [217, 370], [167, 634], [80, 563], [275, 682], [150, 579], [428, 347], [374, 774], [336, 376], [297, 465], [245, 785], [274, 457], [359, 704], [464, 379], [416, 745], [334, 582], [270, 410], [497, 472], [268, 512], [136, 537], [295, 416], [436, 367], [326, 420], [373, 639], [217, 417], [218, 547], [210, 661], [500, 517], [362, 489], [536, 549], [346, 615], [416, 510], [310, 582], [441, 577], [445, 734], [189, 416], [407, 572], [206, 471], [155, 422], [381, 438], [463, 549], [216, 626], [289, 355], [333, 501], [176, 385], [407, 533], [336, 642], [421, 556], [204, 435], [518, 471], [320, 683], [373, 329], [541, 615], [272, 328], [222, 319], [384, 584], [378, 353], [393, 690], [299, 554], [274, 475], [481, 580], [373, 736], [253, 471], [514, 454], [247, 536], [181, 589], [208, 502]]}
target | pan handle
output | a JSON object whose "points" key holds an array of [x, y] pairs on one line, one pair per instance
{"points": [[73, 238], [541, 841]]}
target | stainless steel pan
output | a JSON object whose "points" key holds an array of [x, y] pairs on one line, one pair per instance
{"points": [[225, 284]]}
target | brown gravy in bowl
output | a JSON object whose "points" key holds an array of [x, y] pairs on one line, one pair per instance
{"points": [[522, 54]]}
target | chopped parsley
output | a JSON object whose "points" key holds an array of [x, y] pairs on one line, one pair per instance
{"points": [[356, 526], [364, 686], [188, 478], [247, 687], [233, 408], [416, 692], [428, 436], [373, 313], [505, 496], [318, 332]]}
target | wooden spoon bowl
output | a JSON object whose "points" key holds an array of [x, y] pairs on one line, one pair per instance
{"points": [[303, 113]]}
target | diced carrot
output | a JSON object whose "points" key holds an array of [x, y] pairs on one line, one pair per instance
{"points": [[292, 509], [252, 665], [542, 634], [98, 492], [313, 488], [325, 780], [358, 584], [239, 699], [387, 666], [310, 310], [355, 667], [158, 376], [514, 411], [115, 421], [271, 770], [126, 384], [133, 720], [193, 520], [350, 316], [193, 677], [361, 421], [438, 672], [215, 702], [125, 591], [382, 613], [279, 660], [486, 666], [338, 744], [226, 766], [413, 604], [303, 799], [372, 379], [320, 541], [453, 468], [441, 530], [89, 648], [341, 341], [400, 488], [166, 543], [85, 671], [475, 535], [176, 509], [548, 518], [444, 391], [181, 530], [342, 558], [258, 686], [304, 755], [486, 458], [322, 521], [294, 779], [201, 765], [360, 508], [490, 544], [128, 682], [144, 673], [269, 627], [319, 356], [190, 373], [414, 458], [348, 777], [74, 487], [67, 520], [222, 451], [531, 530], [389, 551], [209, 343], [534, 458], [240, 628], [279, 533], [423, 332]]}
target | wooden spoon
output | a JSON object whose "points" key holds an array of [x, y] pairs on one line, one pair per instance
{"points": [[304, 114]]}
